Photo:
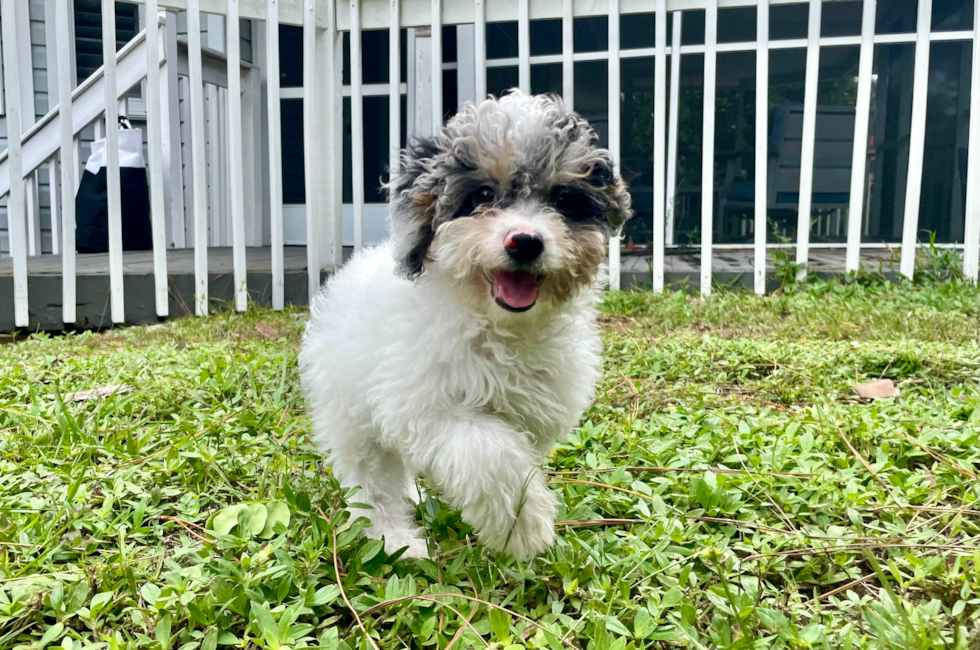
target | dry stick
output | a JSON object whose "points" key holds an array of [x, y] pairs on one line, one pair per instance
{"points": [[459, 632], [956, 511], [942, 458], [591, 523], [200, 433], [340, 584], [922, 524], [834, 592], [466, 621], [758, 485], [853, 547], [610, 487], [747, 524], [432, 598], [668, 470], [76, 569], [186, 526], [734, 522], [858, 455]]}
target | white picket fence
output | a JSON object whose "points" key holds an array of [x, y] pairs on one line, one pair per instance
{"points": [[325, 21]]}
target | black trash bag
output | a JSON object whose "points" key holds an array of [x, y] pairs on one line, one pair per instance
{"points": [[92, 199]]}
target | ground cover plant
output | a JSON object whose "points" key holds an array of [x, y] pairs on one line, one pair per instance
{"points": [[727, 490]]}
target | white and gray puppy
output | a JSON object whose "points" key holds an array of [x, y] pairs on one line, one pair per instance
{"points": [[465, 346]]}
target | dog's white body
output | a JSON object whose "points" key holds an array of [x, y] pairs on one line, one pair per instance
{"points": [[403, 378]]}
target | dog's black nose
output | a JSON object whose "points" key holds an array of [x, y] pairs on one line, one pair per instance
{"points": [[524, 248]]}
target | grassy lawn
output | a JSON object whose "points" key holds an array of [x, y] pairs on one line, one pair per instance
{"points": [[727, 490]]}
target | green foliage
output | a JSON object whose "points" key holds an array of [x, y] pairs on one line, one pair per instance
{"points": [[711, 497]]}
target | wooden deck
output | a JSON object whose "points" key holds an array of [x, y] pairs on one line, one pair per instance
{"points": [[92, 285], [681, 268]]}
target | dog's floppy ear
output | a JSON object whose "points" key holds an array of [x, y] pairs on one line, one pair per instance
{"points": [[412, 199], [603, 176]]}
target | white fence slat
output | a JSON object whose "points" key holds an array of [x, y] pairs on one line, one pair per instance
{"points": [[69, 167], [971, 229], [675, 91], [113, 184], [708, 146], [357, 124], [54, 201], [170, 91], [614, 124], [76, 152], [480, 47], [659, 144], [394, 92], [154, 144], [33, 215], [15, 199], [198, 158], [917, 138], [524, 46], [436, 66], [275, 151], [311, 149], [567, 51], [862, 113], [808, 146], [761, 144], [335, 98], [236, 170]]}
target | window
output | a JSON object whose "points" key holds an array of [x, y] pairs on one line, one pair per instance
{"points": [[889, 130], [943, 198], [788, 21], [952, 15], [590, 34], [501, 41], [592, 96], [842, 18], [734, 164], [546, 78], [834, 144], [736, 25], [545, 37], [687, 199], [786, 88], [692, 27], [895, 16]]}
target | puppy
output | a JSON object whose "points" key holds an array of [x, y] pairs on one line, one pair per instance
{"points": [[466, 345]]}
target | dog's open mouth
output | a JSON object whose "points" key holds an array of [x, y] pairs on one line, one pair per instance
{"points": [[515, 290]]}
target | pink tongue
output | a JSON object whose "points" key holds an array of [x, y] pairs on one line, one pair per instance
{"points": [[517, 289]]}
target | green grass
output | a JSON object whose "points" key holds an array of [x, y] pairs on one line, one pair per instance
{"points": [[727, 490]]}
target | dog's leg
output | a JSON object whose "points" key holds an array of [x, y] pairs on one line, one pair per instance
{"points": [[490, 472], [387, 488]]}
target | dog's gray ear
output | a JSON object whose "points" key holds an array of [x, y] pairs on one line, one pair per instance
{"points": [[412, 200], [617, 192]]}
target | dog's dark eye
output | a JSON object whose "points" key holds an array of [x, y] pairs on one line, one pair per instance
{"points": [[483, 195], [476, 198], [573, 205]]}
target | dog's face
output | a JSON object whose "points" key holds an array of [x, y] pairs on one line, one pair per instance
{"points": [[512, 204]]}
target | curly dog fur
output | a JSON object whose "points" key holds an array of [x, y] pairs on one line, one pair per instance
{"points": [[466, 345]]}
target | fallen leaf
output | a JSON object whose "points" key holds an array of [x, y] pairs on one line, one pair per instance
{"points": [[104, 391], [266, 331], [877, 389]]}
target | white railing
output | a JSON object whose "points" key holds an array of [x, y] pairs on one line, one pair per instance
{"points": [[325, 21]]}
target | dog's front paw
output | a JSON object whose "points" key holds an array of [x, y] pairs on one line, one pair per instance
{"points": [[534, 531]]}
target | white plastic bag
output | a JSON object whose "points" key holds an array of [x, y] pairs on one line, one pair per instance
{"points": [[130, 152]]}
